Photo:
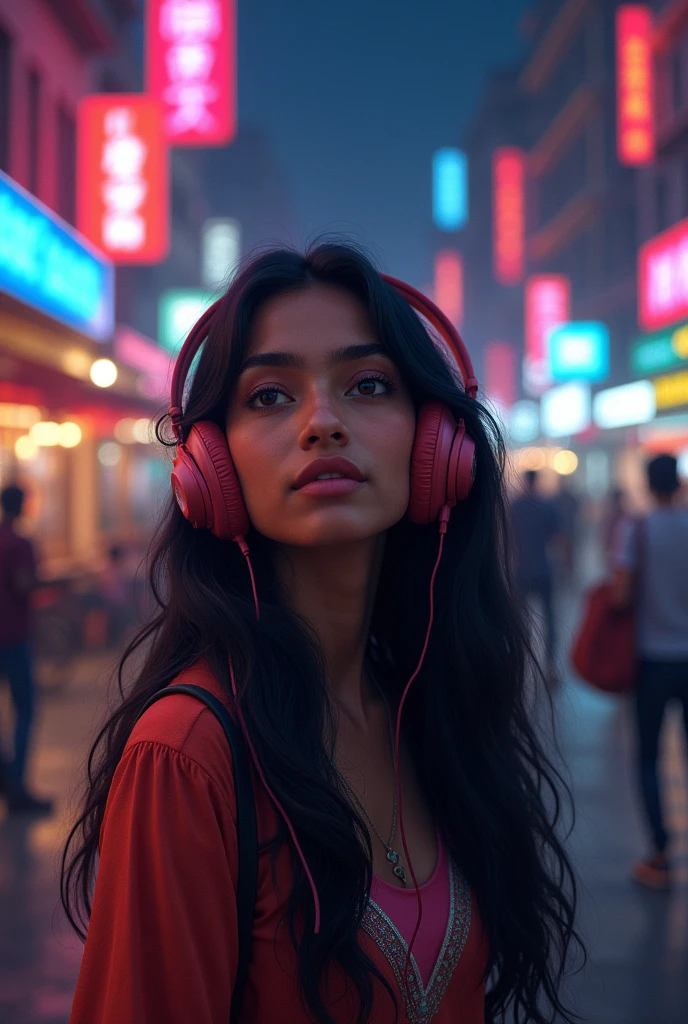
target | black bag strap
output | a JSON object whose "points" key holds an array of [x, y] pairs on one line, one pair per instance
{"points": [[247, 829]]}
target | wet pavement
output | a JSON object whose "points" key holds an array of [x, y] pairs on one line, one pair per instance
{"points": [[638, 939]]}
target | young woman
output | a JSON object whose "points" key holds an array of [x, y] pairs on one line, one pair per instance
{"points": [[408, 865]]}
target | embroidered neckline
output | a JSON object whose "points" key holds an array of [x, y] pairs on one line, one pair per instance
{"points": [[422, 1003]]}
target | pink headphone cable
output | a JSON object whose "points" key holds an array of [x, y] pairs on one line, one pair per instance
{"points": [[443, 520]]}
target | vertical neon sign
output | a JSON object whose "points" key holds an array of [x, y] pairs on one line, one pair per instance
{"points": [[508, 176], [500, 373], [450, 189], [547, 304], [191, 68], [634, 85], [123, 177], [448, 290]]}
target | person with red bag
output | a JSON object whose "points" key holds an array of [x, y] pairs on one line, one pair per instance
{"points": [[652, 575]]}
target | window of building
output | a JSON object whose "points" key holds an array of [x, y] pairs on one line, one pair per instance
{"points": [[66, 165], [5, 80], [34, 129]]}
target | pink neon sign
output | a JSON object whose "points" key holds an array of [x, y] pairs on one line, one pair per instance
{"points": [[191, 68], [663, 278], [547, 304]]}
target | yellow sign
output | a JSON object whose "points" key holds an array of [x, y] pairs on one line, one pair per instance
{"points": [[671, 390]]}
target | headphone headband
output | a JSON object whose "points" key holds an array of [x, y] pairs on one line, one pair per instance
{"points": [[421, 303]]}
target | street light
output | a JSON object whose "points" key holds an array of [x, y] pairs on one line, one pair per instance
{"points": [[103, 373]]}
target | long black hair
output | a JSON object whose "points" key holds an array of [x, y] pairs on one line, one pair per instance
{"points": [[468, 723]]}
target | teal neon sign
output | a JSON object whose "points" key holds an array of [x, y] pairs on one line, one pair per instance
{"points": [[49, 266]]}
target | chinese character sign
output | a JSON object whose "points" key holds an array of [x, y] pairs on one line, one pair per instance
{"points": [[448, 288], [634, 85], [508, 173], [663, 278], [191, 68], [547, 304], [123, 177]]}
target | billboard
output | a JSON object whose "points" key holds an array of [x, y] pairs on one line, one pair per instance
{"points": [[579, 351], [448, 287], [547, 305], [634, 85], [191, 68], [450, 189], [46, 264], [566, 410], [508, 220], [624, 406], [663, 278], [123, 177]]}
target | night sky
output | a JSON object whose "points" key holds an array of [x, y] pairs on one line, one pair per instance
{"points": [[356, 95]]}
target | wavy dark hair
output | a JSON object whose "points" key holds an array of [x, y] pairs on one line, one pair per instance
{"points": [[469, 723]]}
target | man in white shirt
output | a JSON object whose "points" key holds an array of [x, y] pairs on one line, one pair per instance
{"points": [[652, 572]]}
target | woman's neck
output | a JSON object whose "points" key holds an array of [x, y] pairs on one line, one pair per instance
{"points": [[333, 589]]}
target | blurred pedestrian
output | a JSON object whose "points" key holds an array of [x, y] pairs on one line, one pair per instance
{"points": [[614, 515], [567, 504], [17, 581], [652, 571], [117, 590], [535, 527]]}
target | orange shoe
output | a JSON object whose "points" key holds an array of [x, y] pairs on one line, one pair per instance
{"points": [[654, 873]]}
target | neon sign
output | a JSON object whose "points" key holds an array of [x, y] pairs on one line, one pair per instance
{"points": [[450, 189], [547, 305], [663, 278], [191, 68], [448, 291], [508, 173], [123, 175], [579, 350], [634, 85], [46, 264], [500, 373]]}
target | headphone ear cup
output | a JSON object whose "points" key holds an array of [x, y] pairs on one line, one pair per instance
{"points": [[441, 463], [206, 483]]}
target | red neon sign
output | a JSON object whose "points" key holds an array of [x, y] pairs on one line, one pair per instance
{"points": [[663, 278], [547, 304], [123, 177], [508, 175], [500, 373], [191, 68], [449, 285], [634, 85]]}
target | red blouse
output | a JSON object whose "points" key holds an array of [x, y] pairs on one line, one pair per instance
{"points": [[162, 942]]}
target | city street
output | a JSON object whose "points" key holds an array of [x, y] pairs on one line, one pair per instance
{"points": [[638, 939]]}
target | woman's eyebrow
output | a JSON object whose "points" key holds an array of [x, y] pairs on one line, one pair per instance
{"points": [[347, 354]]}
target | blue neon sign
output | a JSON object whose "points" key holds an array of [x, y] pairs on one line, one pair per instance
{"points": [[48, 265], [579, 351], [450, 189]]}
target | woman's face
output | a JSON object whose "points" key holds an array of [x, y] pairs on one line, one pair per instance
{"points": [[316, 385]]}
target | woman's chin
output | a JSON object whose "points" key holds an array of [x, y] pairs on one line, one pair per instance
{"points": [[327, 527]]}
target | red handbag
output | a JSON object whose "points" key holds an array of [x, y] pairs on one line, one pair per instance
{"points": [[604, 650]]}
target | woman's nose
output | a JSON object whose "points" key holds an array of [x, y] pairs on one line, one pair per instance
{"points": [[322, 425]]}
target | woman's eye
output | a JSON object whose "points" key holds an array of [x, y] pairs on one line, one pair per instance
{"points": [[371, 387], [266, 398]]}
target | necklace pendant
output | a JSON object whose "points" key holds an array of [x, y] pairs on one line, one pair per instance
{"points": [[400, 873], [392, 856]]}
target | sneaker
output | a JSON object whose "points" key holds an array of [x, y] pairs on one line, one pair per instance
{"points": [[654, 873], [23, 802]]}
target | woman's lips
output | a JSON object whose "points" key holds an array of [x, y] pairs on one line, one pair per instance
{"points": [[330, 488]]}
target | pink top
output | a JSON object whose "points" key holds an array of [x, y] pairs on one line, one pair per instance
{"points": [[401, 907]]}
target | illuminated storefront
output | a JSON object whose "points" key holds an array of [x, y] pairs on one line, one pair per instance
{"points": [[63, 389]]}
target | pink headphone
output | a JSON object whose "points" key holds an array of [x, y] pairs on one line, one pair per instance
{"points": [[206, 484]]}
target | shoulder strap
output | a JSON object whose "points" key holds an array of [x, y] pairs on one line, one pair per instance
{"points": [[247, 830]]}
